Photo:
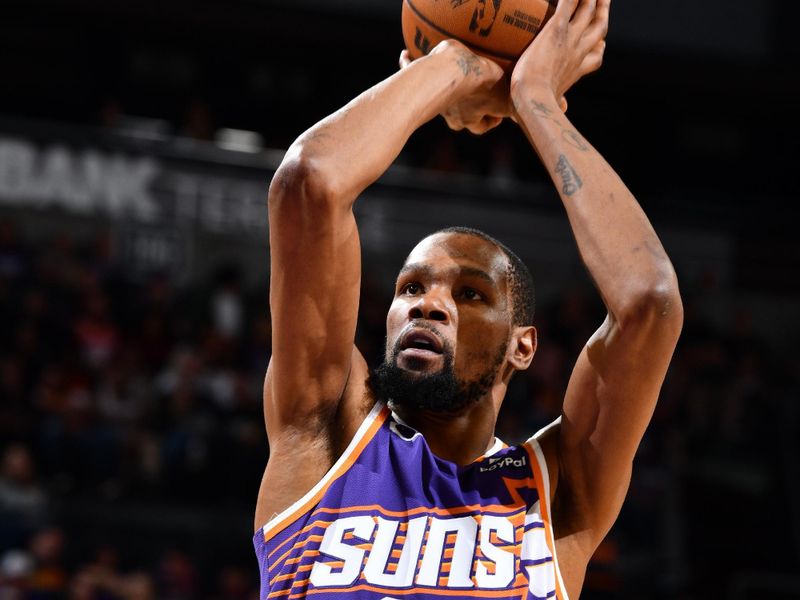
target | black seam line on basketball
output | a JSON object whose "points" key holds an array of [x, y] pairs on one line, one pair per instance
{"points": [[451, 36]]}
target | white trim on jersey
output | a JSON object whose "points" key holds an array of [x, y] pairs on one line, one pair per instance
{"points": [[496, 447], [493, 449], [537, 451]]}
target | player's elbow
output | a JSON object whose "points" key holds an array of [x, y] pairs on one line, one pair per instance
{"points": [[302, 183], [656, 306]]}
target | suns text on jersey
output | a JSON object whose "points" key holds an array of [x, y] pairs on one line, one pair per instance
{"points": [[477, 551]]}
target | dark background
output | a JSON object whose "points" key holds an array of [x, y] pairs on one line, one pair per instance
{"points": [[133, 349]]}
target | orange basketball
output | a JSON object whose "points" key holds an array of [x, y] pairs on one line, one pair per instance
{"points": [[497, 29]]}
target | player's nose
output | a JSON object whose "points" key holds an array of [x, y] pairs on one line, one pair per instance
{"points": [[430, 306]]}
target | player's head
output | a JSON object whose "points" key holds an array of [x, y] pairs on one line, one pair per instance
{"points": [[460, 324]]}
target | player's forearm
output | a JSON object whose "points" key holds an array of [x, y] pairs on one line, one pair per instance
{"points": [[353, 147], [614, 236]]}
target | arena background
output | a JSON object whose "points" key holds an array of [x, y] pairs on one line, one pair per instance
{"points": [[137, 140]]}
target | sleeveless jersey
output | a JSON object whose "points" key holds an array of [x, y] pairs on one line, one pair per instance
{"points": [[391, 520]]}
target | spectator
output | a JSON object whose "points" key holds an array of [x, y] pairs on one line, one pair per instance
{"points": [[23, 502], [49, 577], [16, 568]]}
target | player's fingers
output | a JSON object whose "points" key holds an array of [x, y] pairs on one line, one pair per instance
{"points": [[564, 10], [563, 104], [598, 29], [405, 59], [584, 15], [603, 12], [490, 122], [594, 59]]}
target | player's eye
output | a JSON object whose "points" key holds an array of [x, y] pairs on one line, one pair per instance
{"points": [[471, 294], [411, 289]]}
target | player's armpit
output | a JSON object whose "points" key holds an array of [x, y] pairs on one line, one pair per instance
{"points": [[314, 291], [302, 452], [609, 403]]}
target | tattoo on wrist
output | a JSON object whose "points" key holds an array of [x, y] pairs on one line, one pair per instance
{"points": [[541, 108], [469, 63], [575, 139], [570, 136], [570, 180]]}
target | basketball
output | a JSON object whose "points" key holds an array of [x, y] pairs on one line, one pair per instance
{"points": [[497, 29]]}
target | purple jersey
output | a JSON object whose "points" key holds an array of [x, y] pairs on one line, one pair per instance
{"points": [[390, 520]]}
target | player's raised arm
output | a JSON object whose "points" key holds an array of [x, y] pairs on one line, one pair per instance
{"points": [[314, 246], [616, 381]]}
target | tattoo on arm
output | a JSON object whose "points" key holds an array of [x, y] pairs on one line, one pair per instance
{"points": [[541, 108], [570, 136], [469, 63], [570, 180], [575, 139]]}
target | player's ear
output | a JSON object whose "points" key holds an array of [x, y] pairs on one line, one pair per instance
{"points": [[523, 348]]}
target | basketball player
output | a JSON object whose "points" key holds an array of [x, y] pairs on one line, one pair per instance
{"points": [[391, 484]]}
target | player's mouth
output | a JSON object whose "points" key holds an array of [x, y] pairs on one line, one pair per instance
{"points": [[419, 348]]}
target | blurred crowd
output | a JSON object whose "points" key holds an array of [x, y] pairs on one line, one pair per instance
{"points": [[121, 393], [127, 394]]}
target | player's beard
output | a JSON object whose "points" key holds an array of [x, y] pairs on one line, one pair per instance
{"points": [[438, 392]]}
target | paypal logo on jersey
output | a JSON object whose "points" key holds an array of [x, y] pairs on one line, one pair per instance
{"points": [[504, 461], [424, 551]]}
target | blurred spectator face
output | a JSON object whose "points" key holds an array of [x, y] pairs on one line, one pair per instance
{"points": [[81, 588], [47, 546], [139, 586], [49, 579], [95, 332], [17, 465]]}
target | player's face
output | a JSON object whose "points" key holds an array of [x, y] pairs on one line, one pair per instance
{"points": [[450, 310]]}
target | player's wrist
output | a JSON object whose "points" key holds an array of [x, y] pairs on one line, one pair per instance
{"points": [[430, 81], [524, 91]]}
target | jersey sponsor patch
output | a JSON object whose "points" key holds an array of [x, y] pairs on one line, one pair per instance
{"points": [[503, 462]]}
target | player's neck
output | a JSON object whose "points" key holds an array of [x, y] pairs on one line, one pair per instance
{"points": [[461, 437]]}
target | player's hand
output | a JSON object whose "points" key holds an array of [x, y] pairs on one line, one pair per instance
{"points": [[570, 45], [479, 100]]}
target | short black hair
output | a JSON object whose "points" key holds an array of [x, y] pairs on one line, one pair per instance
{"points": [[519, 279]]}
